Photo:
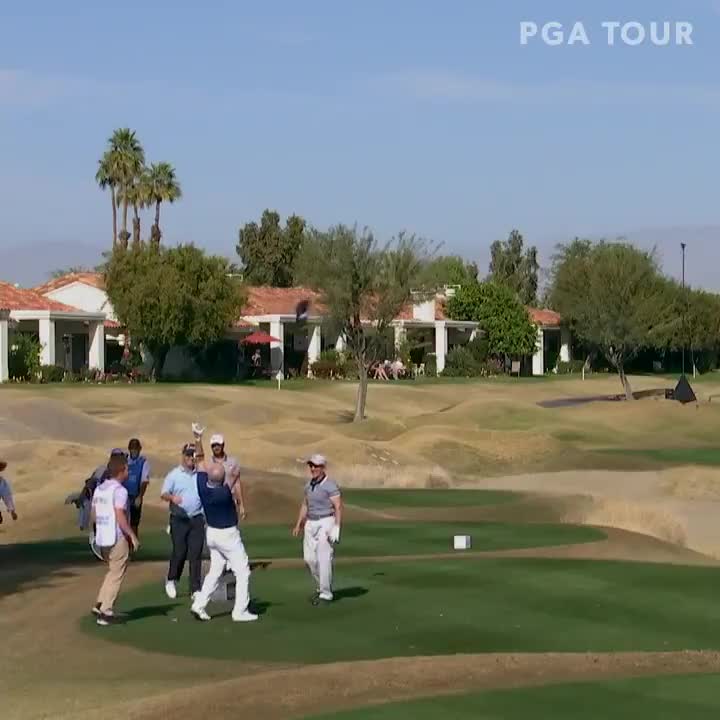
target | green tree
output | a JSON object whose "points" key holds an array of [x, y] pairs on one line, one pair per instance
{"points": [[502, 317], [616, 299], [515, 267], [161, 185], [448, 270], [172, 296], [364, 288], [696, 322], [268, 251]]}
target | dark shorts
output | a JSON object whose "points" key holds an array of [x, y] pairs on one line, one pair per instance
{"points": [[135, 514]]}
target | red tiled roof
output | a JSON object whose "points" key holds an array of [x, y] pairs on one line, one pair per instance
{"points": [[544, 318], [12, 298], [264, 300], [89, 278], [112, 324]]}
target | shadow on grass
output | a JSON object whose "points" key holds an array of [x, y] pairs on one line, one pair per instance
{"points": [[349, 593], [147, 611]]}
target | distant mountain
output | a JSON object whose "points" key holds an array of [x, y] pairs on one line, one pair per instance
{"points": [[31, 264]]}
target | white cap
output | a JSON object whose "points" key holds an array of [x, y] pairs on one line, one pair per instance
{"points": [[318, 460], [217, 440]]}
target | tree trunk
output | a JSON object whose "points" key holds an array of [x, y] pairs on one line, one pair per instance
{"points": [[114, 211], [159, 355], [124, 234], [136, 226], [125, 214], [625, 382], [361, 398]]}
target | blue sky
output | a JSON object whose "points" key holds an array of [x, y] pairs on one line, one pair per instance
{"points": [[424, 116]]}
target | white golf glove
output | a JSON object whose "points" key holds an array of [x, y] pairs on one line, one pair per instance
{"points": [[197, 430], [334, 534]]}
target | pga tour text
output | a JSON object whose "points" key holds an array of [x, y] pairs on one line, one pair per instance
{"points": [[611, 32]]}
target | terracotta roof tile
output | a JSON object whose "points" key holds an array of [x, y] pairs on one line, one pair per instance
{"points": [[12, 298], [89, 278], [264, 300], [544, 318]]}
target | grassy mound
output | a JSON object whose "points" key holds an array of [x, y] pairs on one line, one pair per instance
{"points": [[443, 607], [694, 697]]}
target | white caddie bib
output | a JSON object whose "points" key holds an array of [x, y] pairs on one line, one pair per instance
{"points": [[105, 520]]}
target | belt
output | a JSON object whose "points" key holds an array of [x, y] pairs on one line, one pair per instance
{"points": [[320, 517]]}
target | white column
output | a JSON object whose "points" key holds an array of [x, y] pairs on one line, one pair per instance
{"points": [[473, 334], [400, 335], [538, 361], [440, 344], [277, 349], [96, 354], [4, 346], [565, 352], [314, 346], [46, 328], [340, 343]]}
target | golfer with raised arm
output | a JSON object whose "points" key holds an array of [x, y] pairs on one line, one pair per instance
{"points": [[222, 536], [321, 517]]}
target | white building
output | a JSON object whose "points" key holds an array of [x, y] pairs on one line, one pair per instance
{"points": [[272, 310], [69, 336]]}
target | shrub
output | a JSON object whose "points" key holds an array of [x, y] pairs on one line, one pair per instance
{"points": [[430, 365], [568, 368], [24, 357], [471, 360], [331, 364], [52, 373]]}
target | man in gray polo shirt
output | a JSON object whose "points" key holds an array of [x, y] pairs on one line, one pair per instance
{"points": [[321, 516]]}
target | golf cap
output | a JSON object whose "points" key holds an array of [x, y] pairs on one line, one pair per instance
{"points": [[115, 452], [189, 449], [217, 440], [317, 460]]}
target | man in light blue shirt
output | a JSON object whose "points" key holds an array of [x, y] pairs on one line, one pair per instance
{"points": [[187, 523]]}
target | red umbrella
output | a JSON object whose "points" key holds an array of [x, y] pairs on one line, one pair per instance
{"points": [[259, 338]]}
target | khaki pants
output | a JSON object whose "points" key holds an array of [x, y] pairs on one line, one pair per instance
{"points": [[117, 558]]}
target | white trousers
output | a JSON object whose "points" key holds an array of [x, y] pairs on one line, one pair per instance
{"points": [[226, 548], [318, 554]]}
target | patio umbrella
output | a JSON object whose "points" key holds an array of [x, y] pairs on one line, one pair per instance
{"points": [[259, 337]]}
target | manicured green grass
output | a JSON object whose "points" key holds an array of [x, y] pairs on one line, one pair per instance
{"points": [[709, 456], [443, 607], [390, 498], [359, 540], [690, 697]]}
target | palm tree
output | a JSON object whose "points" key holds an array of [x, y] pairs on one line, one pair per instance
{"points": [[106, 178], [161, 186], [128, 161], [137, 196]]}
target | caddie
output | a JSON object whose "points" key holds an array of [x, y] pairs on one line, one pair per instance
{"points": [[321, 517], [137, 482]]}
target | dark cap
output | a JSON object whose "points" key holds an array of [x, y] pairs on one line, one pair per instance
{"points": [[189, 449]]}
